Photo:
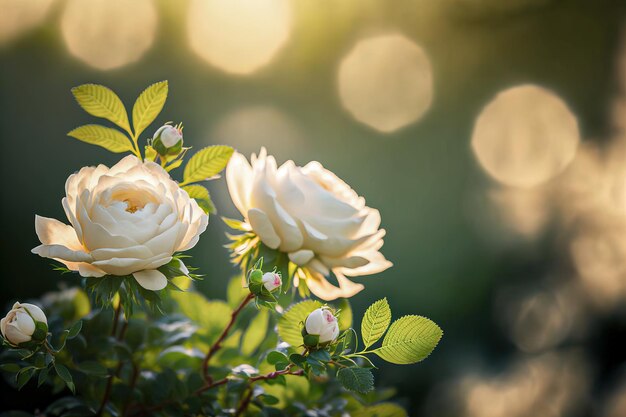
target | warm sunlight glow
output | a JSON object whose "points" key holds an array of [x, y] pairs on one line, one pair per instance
{"points": [[386, 82], [525, 136], [18, 16], [250, 128], [238, 36], [108, 34]]}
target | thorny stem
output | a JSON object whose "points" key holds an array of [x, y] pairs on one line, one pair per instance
{"points": [[218, 343]]}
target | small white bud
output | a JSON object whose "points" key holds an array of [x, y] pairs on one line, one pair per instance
{"points": [[271, 281], [322, 323], [20, 323], [168, 139]]}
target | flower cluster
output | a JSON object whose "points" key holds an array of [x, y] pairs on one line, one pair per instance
{"points": [[129, 226]]}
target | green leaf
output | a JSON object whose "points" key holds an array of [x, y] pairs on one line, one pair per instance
{"points": [[75, 329], [24, 376], [202, 197], [375, 322], [380, 410], [206, 163], [43, 376], [148, 106], [236, 291], [345, 314], [110, 139], [275, 357], [212, 316], [150, 153], [10, 367], [410, 339], [255, 333], [289, 324], [63, 372], [101, 101], [356, 379]]}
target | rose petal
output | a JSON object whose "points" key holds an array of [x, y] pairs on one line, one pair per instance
{"points": [[151, 279], [263, 227]]}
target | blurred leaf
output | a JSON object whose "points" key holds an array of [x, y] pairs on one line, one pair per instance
{"points": [[410, 339], [110, 139], [148, 106], [236, 291], [345, 315], [65, 375], [289, 324], [380, 410], [255, 333], [202, 197], [10, 367], [211, 316], [93, 368], [275, 357], [101, 101], [375, 322], [75, 329], [24, 376], [356, 379], [206, 163], [149, 153], [43, 376]]}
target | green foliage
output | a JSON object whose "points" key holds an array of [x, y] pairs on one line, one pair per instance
{"points": [[375, 322], [211, 316], [410, 339], [381, 410], [102, 102], [206, 163], [110, 139], [148, 106], [202, 197], [356, 379], [290, 323], [255, 333]]}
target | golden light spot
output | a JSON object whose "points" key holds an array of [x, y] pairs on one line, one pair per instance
{"points": [[108, 34], [18, 16], [238, 36], [386, 82], [250, 128], [525, 136]]}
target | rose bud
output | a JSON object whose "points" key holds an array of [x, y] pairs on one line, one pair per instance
{"points": [[25, 322], [323, 324], [168, 140], [271, 281]]}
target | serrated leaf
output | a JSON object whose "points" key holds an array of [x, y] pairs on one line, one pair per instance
{"points": [[356, 379], [255, 333], [206, 163], [289, 324], [375, 322], [202, 197], [410, 339], [148, 106], [381, 410], [101, 101], [110, 139]]}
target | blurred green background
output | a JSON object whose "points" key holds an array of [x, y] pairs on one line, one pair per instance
{"points": [[457, 260]]}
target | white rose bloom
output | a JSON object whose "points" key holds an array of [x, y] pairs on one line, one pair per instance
{"points": [[271, 281], [127, 219], [19, 324], [313, 216], [322, 323]]}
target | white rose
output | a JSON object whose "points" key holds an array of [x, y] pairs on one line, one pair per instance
{"points": [[313, 216], [271, 281], [168, 135], [127, 219], [20, 323], [322, 323]]}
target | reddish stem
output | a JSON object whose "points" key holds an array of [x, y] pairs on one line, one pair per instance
{"points": [[218, 343]]}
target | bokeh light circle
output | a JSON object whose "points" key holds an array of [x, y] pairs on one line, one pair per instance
{"points": [[238, 36], [525, 136], [386, 82], [18, 16], [109, 34]]}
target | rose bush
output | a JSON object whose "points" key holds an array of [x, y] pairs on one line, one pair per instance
{"points": [[125, 220], [313, 216], [20, 323]]}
